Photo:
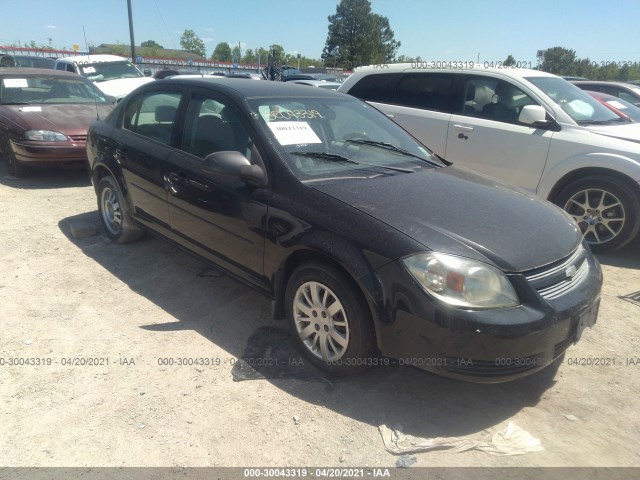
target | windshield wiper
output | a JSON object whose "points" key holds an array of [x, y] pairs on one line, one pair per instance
{"points": [[389, 146], [333, 157], [598, 122]]}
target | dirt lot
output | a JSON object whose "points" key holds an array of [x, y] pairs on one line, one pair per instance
{"points": [[133, 306]]}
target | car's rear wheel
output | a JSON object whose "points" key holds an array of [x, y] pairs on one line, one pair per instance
{"points": [[606, 209], [114, 214], [330, 319], [15, 167]]}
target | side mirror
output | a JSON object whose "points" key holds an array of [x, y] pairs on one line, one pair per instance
{"points": [[111, 99], [533, 114], [147, 72], [235, 165]]}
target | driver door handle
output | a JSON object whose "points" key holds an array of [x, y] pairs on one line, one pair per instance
{"points": [[464, 128]]}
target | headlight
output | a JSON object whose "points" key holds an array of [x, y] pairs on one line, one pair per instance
{"points": [[45, 136], [461, 282]]}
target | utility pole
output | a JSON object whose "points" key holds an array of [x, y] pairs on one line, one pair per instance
{"points": [[133, 42]]}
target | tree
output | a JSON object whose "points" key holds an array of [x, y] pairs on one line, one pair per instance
{"points": [[357, 36], [509, 61], [222, 52], [151, 44], [249, 56], [558, 60], [192, 43]]}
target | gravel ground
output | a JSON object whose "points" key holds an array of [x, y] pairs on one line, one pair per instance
{"points": [[68, 301]]}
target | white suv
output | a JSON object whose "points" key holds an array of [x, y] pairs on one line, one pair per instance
{"points": [[526, 128], [115, 76]]}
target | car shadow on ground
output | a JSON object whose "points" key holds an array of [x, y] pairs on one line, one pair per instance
{"points": [[228, 313], [627, 257], [46, 177]]}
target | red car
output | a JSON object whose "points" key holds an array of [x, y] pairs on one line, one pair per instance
{"points": [[44, 117], [620, 107]]}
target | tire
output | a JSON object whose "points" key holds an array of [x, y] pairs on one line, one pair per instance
{"points": [[609, 228], [114, 213], [329, 319], [15, 167]]}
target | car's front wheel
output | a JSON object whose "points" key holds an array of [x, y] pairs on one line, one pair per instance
{"points": [[606, 209], [15, 167], [114, 215], [330, 319]]}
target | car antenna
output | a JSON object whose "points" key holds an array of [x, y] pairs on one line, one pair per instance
{"points": [[95, 97]]}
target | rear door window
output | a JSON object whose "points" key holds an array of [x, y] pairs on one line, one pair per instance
{"points": [[430, 91], [153, 115], [377, 87]]}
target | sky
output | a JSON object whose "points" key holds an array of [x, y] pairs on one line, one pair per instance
{"points": [[463, 30]]}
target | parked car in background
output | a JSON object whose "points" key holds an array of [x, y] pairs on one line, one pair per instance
{"points": [[528, 129], [625, 91], [115, 76], [318, 83], [365, 241], [618, 105], [26, 61], [326, 77], [44, 117]]}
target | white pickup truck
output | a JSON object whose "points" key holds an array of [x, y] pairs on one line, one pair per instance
{"points": [[115, 76]]}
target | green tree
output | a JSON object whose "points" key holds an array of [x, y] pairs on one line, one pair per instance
{"points": [[151, 44], [357, 36], [192, 43], [222, 52], [249, 56], [558, 60], [509, 61]]}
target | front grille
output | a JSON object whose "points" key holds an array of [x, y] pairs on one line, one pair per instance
{"points": [[500, 367], [562, 346], [78, 138], [553, 281]]}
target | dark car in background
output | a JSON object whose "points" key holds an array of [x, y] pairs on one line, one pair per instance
{"points": [[625, 91], [26, 61], [362, 237], [44, 117]]}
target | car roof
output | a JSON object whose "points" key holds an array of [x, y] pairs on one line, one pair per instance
{"points": [[405, 67], [240, 87], [22, 72], [603, 82]]}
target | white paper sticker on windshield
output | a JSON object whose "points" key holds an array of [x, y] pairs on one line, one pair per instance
{"points": [[30, 109], [15, 83], [616, 104], [89, 69], [293, 133]]}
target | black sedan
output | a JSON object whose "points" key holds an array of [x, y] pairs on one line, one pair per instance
{"points": [[364, 239]]}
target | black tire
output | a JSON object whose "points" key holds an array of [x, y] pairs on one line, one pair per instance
{"points": [[114, 213], [358, 351], [603, 191], [15, 167]]}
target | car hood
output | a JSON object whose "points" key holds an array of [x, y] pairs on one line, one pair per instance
{"points": [[628, 131], [66, 118], [122, 86], [454, 211]]}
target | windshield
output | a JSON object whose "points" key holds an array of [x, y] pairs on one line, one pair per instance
{"points": [[579, 105], [320, 137], [16, 90], [103, 71]]}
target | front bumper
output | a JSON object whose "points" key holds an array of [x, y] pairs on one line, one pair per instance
{"points": [[48, 153], [483, 345]]}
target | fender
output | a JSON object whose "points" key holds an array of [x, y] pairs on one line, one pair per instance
{"points": [[616, 163]]}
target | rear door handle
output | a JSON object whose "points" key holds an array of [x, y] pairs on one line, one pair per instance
{"points": [[178, 179], [464, 128]]}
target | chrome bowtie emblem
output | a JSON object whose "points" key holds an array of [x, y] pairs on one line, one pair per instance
{"points": [[570, 271]]}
